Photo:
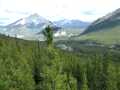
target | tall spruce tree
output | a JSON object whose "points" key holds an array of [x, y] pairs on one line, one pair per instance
{"points": [[84, 81], [53, 71], [48, 33], [111, 74]]}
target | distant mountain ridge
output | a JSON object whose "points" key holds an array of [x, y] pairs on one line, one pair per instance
{"points": [[109, 21], [65, 23], [33, 21], [31, 27], [28, 27]]}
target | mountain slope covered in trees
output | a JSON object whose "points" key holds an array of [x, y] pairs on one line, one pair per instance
{"points": [[106, 36], [32, 65], [105, 30], [109, 21]]}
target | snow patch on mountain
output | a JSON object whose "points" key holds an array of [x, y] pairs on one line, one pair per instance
{"points": [[60, 33]]}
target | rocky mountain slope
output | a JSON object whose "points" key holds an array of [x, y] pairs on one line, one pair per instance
{"points": [[107, 22]]}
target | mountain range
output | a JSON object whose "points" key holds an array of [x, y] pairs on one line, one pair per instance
{"points": [[104, 29], [30, 27], [71, 24]]}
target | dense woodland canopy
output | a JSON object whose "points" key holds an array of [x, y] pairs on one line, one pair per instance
{"points": [[31, 65]]}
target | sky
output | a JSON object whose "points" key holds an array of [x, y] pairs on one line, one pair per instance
{"points": [[85, 10]]}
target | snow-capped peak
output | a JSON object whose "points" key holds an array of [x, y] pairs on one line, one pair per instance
{"points": [[36, 19], [33, 20]]}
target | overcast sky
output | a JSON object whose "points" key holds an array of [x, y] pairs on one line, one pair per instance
{"points": [[86, 10]]}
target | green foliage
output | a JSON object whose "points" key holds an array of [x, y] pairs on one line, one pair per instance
{"points": [[84, 81], [15, 71], [29, 65], [48, 33], [106, 36]]}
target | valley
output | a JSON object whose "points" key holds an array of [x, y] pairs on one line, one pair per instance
{"points": [[68, 54], [33, 65]]}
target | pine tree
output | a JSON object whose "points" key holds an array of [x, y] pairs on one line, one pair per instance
{"points": [[118, 76], [109, 71], [90, 74], [53, 71], [84, 81], [48, 33], [100, 69], [111, 82]]}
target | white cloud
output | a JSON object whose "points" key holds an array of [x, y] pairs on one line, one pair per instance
{"points": [[57, 9]]}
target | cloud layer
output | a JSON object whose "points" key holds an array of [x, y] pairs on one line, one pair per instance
{"points": [[86, 10]]}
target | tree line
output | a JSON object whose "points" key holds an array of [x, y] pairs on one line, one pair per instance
{"points": [[34, 65]]}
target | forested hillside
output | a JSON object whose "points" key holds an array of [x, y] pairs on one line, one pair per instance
{"points": [[32, 65], [104, 30]]}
